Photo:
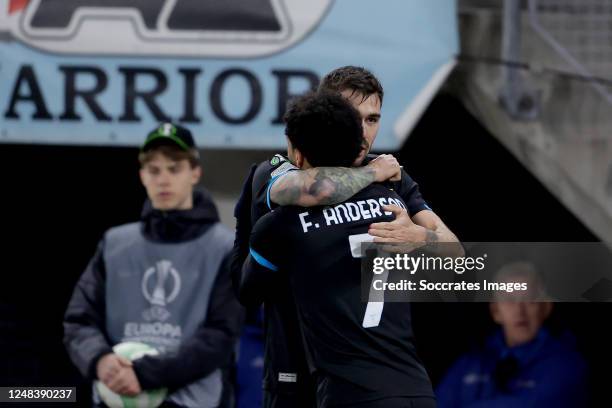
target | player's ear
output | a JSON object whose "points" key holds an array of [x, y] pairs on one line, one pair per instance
{"points": [[299, 158]]}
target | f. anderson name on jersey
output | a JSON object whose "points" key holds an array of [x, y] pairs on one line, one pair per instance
{"points": [[350, 212]]}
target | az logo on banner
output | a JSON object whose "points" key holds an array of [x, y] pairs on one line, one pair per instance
{"points": [[106, 70], [196, 28]]}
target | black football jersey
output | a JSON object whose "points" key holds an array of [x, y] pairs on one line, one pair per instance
{"points": [[369, 344]]}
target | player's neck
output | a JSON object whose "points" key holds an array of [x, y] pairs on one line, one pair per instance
{"points": [[305, 165]]}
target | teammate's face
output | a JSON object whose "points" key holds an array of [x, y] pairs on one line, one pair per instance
{"points": [[169, 183], [369, 110], [520, 321]]}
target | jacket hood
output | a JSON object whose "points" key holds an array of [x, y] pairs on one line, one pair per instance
{"points": [[180, 225]]}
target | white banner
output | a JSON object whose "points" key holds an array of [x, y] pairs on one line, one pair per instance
{"points": [[104, 72]]}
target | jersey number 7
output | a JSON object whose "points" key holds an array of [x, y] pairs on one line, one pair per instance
{"points": [[374, 309]]}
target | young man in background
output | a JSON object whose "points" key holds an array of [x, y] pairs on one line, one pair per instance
{"points": [[163, 281]]}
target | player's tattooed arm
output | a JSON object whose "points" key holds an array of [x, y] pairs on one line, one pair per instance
{"points": [[404, 234], [320, 185], [431, 236], [436, 230], [331, 185]]}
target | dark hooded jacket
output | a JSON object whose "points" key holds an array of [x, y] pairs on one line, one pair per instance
{"points": [[209, 348]]}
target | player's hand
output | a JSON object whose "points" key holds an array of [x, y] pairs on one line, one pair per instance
{"points": [[109, 366], [125, 382], [386, 167], [399, 232]]}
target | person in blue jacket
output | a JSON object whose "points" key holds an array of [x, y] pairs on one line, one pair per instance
{"points": [[523, 364]]}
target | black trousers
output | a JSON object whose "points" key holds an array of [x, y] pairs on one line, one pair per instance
{"points": [[334, 392], [416, 402], [277, 400]]}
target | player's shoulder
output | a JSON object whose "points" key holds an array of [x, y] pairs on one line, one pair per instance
{"points": [[267, 170], [281, 214], [275, 222], [369, 157], [376, 190], [276, 165], [406, 177], [405, 182], [404, 185]]}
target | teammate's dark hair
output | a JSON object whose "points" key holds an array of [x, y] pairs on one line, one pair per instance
{"points": [[325, 128], [358, 79]]}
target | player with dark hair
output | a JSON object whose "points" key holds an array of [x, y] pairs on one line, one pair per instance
{"points": [[311, 120], [363, 89], [279, 182], [359, 357], [316, 119]]}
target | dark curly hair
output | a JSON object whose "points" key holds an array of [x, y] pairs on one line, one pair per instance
{"points": [[325, 128], [358, 79]]}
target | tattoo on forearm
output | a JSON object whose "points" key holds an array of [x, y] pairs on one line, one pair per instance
{"points": [[288, 190], [333, 185], [322, 185], [431, 236]]}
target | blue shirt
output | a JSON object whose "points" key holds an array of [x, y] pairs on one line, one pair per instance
{"points": [[549, 372]]}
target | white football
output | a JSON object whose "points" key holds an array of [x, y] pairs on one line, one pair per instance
{"points": [[147, 399]]}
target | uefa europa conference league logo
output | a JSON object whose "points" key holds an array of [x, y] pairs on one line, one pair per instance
{"points": [[201, 28], [160, 285], [155, 283]]}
